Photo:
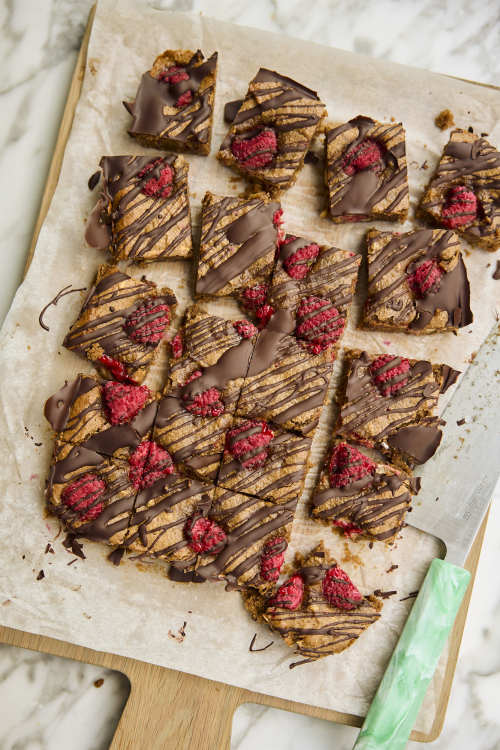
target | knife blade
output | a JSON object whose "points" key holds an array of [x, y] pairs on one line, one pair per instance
{"points": [[457, 485]]}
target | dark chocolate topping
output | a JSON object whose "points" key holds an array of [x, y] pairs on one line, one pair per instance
{"points": [[419, 441], [57, 407], [231, 110]]}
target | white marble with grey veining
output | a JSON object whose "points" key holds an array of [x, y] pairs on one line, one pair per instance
{"points": [[48, 703]]}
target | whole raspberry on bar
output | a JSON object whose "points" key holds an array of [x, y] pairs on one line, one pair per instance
{"points": [[300, 262], [254, 296], [278, 223], [289, 596], [206, 404], [149, 463], [148, 322], [174, 74], [365, 155], [389, 373], [350, 530], [257, 151], [339, 591], [426, 278], [273, 557], [176, 346], [248, 443], [82, 497], [161, 186], [245, 329], [123, 402], [117, 369], [264, 313], [347, 465], [319, 324], [204, 536], [460, 207]]}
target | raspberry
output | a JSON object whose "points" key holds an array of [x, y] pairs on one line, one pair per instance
{"points": [[460, 207], [264, 314], [339, 591], [123, 402], [173, 75], [254, 296], [206, 404], [245, 329], [257, 151], [204, 535], [289, 596], [299, 263], [148, 463], [148, 322], [278, 223], [193, 376], [319, 324], [425, 278], [349, 529], [248, 443], [161, 186], [82, 496], [184, 99], [117, 369], [347, 465], [273, 557], [176, 345], [364, 155], [389, 373]]}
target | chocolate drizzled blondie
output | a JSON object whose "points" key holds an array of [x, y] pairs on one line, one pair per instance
{"points": [[318, 611], [464, 193], [238, 243], [360, 496], [173, 107], [121, 324], [142, 214], [390, 403], [272, 130], [417, 282], [366, 174]]}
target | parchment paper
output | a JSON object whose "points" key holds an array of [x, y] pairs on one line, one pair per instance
{"points": [[125, 610]]}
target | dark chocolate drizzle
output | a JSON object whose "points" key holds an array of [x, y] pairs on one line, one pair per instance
{"points": [[256, 650], [64, 291]]}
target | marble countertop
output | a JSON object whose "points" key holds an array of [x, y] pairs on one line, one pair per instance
{"points": [[46, 702]]}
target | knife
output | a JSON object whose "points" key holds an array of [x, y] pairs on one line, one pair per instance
{"points": [[456, 490]]}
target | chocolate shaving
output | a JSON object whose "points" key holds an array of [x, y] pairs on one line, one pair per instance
{"points": [[94, 179], [64, 291], [496, 272], [252, 643], [72, 561], [71, 544], [460, 422], [99, 683], [393, 567], [40, 575], [384, 594], [116, 555], [49, 548], [411, 595]]}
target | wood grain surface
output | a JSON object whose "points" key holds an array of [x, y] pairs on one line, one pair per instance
{"points": [[166, 709]]}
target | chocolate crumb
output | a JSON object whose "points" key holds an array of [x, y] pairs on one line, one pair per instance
{"points": [[371, 545], [444, 119], [384, 594], [470, 129], [72, 561], [483, 135], [496, 272], [460, 422], [252, 643], [424, 165], [94, 179], [116, 555], [99, 683], [180, 635], [71, 544], [49, 548], [24, 557], [40, 575], [393, 567], [411, 595]]}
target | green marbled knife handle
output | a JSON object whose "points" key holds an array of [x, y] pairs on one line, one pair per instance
{"points": [[394, 708]]}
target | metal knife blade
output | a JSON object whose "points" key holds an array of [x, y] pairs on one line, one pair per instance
{"points": [[458, 482]]}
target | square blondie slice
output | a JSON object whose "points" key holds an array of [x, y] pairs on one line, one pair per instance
{"points": [[318, 611], [464, 192], [256, 535], [173, 107], [360, 496], [366, 174], [264, 461], [417, 282], [108, 417], [239, 238], [288, 377], [390, 403], [142, 214], [121, 324], [272, 130]]}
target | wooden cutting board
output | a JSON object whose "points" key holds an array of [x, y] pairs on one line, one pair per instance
{"points": [[167, 709]]}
